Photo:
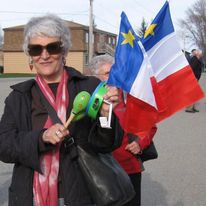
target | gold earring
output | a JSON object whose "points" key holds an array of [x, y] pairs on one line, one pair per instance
{"points": [[64, 61], [31, 64]]}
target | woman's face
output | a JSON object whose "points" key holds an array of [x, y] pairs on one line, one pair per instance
{"points": [[47, 56], [103, 71]]}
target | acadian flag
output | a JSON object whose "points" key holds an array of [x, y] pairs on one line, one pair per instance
{"points": [[154, 72], [131, 72], [176, 82]]}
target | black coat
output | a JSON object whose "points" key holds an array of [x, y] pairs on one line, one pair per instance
{"points": [[20, 145], [196, 65]]}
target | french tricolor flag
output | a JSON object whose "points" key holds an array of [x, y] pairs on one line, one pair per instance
{"points": [[154, 72]]}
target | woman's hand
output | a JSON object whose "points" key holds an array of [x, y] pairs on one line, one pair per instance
{"points": [[133, 147], [111, 96], [55, 134]]}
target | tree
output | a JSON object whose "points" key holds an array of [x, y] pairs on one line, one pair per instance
{"points": [[143, 28], [194, 25]]}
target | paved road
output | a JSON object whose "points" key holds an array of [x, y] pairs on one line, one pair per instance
{"points": [[177, 177]]}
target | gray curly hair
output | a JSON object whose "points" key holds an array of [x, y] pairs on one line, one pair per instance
{"points": [[49, 25], [97, 61]]}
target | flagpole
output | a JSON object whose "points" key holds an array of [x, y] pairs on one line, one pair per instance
{"points": [[90, 30]]}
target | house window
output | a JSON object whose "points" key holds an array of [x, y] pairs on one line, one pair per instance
{"points": [[113, 41], [86, 37], [109, 40]]}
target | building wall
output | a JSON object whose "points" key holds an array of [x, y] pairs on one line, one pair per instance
{"points": [[77, 40], [76, 60], [17, 62], [13, 40], [1, 58]]}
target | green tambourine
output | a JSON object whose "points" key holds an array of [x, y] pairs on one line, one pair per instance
{"points": [[96, 100]]}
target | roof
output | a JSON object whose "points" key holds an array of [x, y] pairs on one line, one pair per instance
{"points": [[70, 24]]}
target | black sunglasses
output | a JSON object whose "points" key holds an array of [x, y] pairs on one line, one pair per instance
{"points": [[52, 48]]}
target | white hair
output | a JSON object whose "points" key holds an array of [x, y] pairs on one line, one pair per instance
{"points": [[49, 25], [97, 61]]}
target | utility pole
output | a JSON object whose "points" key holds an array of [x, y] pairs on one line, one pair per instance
{"points": [[91, 21]]}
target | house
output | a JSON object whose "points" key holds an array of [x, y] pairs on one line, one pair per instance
{"points": [[15, 61], [1, 60]]}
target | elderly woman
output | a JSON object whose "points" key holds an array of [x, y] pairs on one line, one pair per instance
{"points": [[45, 172], [128, 154]]}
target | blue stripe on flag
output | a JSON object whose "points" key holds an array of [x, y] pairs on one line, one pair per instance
{"points": [[163, 27], [128, 57]]}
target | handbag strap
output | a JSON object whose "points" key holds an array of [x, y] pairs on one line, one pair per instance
{"points": [[51, 111], [68, 142]]}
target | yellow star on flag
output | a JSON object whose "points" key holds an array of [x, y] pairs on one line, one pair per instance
{"points": [[150, 30], [129, 38]]}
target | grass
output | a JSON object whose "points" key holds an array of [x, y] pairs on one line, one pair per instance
{"points": [[16, 75]]}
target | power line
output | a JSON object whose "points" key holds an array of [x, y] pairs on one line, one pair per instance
{"points": [[24, 12], [103, 20], [143, 7], [27, 15]]}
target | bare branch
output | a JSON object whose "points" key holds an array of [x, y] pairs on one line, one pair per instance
{"points": [[194, 25]]}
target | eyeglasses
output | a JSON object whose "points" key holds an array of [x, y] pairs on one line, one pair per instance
{"points": [[52, 48]]}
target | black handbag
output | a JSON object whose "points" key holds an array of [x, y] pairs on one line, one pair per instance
{"points": [[149, 153], [108, 183]]}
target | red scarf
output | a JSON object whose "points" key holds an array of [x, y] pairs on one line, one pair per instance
{"points": [[45, 186]]}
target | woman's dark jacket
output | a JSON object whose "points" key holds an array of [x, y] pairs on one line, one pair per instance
{"points": [[196, 65], [19, 144]]}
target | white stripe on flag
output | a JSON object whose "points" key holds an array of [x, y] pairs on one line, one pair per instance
{"points": [[166, 57], [142, 88]]}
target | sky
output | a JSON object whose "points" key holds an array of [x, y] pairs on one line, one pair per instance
{"points": [[106, 12]]}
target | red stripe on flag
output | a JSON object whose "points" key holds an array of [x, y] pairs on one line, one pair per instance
{"points": [[158, 96], [139, 116], [179, 90]]}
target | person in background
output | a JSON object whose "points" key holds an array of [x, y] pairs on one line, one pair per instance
{"points": [[196, 65], [127, 153], [45, 172], [187, 55], [194, 52]]}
